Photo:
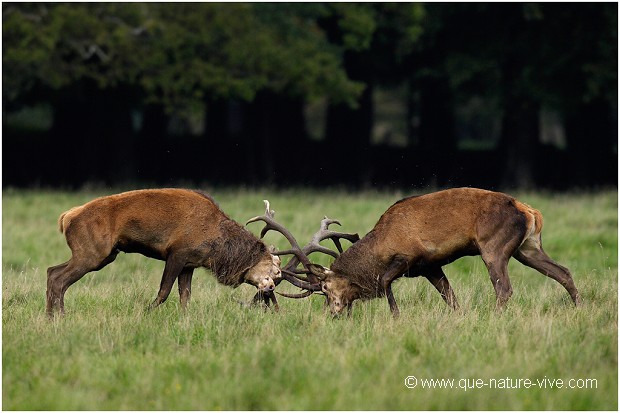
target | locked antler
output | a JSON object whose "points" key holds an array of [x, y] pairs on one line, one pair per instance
{"points": [[312, 283], [290, 272], [272, 224]]}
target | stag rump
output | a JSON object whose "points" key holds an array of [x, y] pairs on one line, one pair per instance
{"points": [[184, 228], [418, 235]]}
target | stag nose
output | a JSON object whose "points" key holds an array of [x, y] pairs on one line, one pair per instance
{"points": [[336, 314], [267, 285], [337, 308]]}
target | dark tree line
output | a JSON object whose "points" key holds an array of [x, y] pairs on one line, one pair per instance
{"points": [[412, 95]]}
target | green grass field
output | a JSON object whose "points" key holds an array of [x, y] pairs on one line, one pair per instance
{"points": [[108, 353]]}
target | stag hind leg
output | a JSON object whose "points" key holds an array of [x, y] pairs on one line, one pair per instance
{"points": [[496, 261], [531, 253], [496, 254], [439, 280], [61, 277], [499, 235], [53, 291]]}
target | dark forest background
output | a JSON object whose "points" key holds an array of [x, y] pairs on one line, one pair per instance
{"points": [[372, 94]]}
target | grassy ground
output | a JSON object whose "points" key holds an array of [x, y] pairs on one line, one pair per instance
{"points": [[109, 353]]}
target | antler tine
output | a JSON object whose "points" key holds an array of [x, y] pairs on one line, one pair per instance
{"points": [[322, 234], [299, 282], [325, 233], [272, 224], [302, 294], [326, 222], [269, 213]]}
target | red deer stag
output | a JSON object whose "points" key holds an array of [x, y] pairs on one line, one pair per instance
{"points": [[418, 235], [184, 228]]}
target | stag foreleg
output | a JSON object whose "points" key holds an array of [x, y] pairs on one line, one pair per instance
{"points": [[395, 270], [266, 298], [172, 270], [439, 280], [272, 297], [185, 286], [260, 297]]}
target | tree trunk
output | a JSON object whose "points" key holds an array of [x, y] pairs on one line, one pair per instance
{"points": [[91, 136], [348, 135], [519, 142], [437, 141], [592, 144], [151, 146]]}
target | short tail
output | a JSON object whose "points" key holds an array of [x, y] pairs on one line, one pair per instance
{"points": [[533, 216], [538, 219], [65, 218], [61, 223]]}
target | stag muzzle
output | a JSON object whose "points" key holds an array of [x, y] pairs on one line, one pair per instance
{"points": [[266, 285], [336, 308]]}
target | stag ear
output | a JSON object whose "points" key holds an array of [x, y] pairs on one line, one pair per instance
{"points": [[321, 272], [277, 261]]}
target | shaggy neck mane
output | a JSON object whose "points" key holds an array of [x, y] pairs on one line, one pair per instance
{"points": [[232, 254], [362, 269]]}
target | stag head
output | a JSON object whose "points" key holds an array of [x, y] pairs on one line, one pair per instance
{"points": [[338, 290], [264, 274]]}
